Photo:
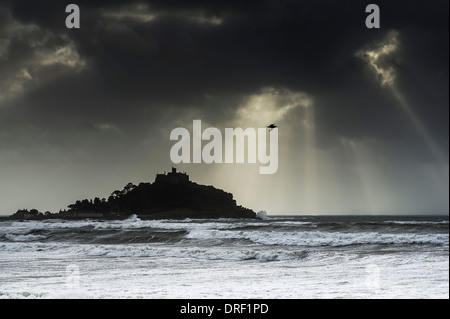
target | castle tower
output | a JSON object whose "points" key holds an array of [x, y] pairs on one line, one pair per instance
{"points": [[173, 177]]}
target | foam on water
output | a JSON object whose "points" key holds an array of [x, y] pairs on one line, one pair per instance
{"points": [[287, 257], [157, 251], [414, 222], [319, 238], [24, 238]]}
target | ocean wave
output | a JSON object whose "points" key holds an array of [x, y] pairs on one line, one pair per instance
{"points": [[24, 238], [136, 223], [152, 251], [218, 253], [271, 231], [414, 222], [318, 238]]}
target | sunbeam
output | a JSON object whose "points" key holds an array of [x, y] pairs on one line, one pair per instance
{"points": [[311, 179], [379, 59]]}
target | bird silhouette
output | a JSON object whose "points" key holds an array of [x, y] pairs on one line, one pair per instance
{"points": [[271, 127]]}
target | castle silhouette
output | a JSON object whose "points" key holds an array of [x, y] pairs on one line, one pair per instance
{"points": [[173, 177]]}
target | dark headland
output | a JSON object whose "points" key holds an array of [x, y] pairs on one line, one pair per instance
{"points": [[171, 196]]}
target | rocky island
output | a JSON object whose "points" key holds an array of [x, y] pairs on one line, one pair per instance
{"points": [[171, 195]]}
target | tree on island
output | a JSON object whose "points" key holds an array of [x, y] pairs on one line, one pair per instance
{"points": [[170, 193]]}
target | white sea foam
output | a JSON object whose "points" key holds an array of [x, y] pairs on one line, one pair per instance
{"points": [[414, 222], [261, 215], [224, 258], [24, 238], [319, 238], [25, 227], [53, 250], [218, 253]]}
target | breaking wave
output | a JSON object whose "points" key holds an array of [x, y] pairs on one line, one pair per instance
{"points": [[24, 238], [156, 251], [270, 239], [320, 238]]}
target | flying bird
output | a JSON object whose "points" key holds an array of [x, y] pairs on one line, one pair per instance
{"points": [[271, 127]]}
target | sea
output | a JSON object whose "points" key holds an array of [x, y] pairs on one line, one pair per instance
{"points": [[278, 257]]}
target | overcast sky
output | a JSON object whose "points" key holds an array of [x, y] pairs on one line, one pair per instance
{"points": [[362, 113]]}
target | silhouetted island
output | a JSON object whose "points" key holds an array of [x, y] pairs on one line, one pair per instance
{"points": [[171, 195]]}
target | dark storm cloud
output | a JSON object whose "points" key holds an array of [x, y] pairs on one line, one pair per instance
{"points": [[301, 45]]}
